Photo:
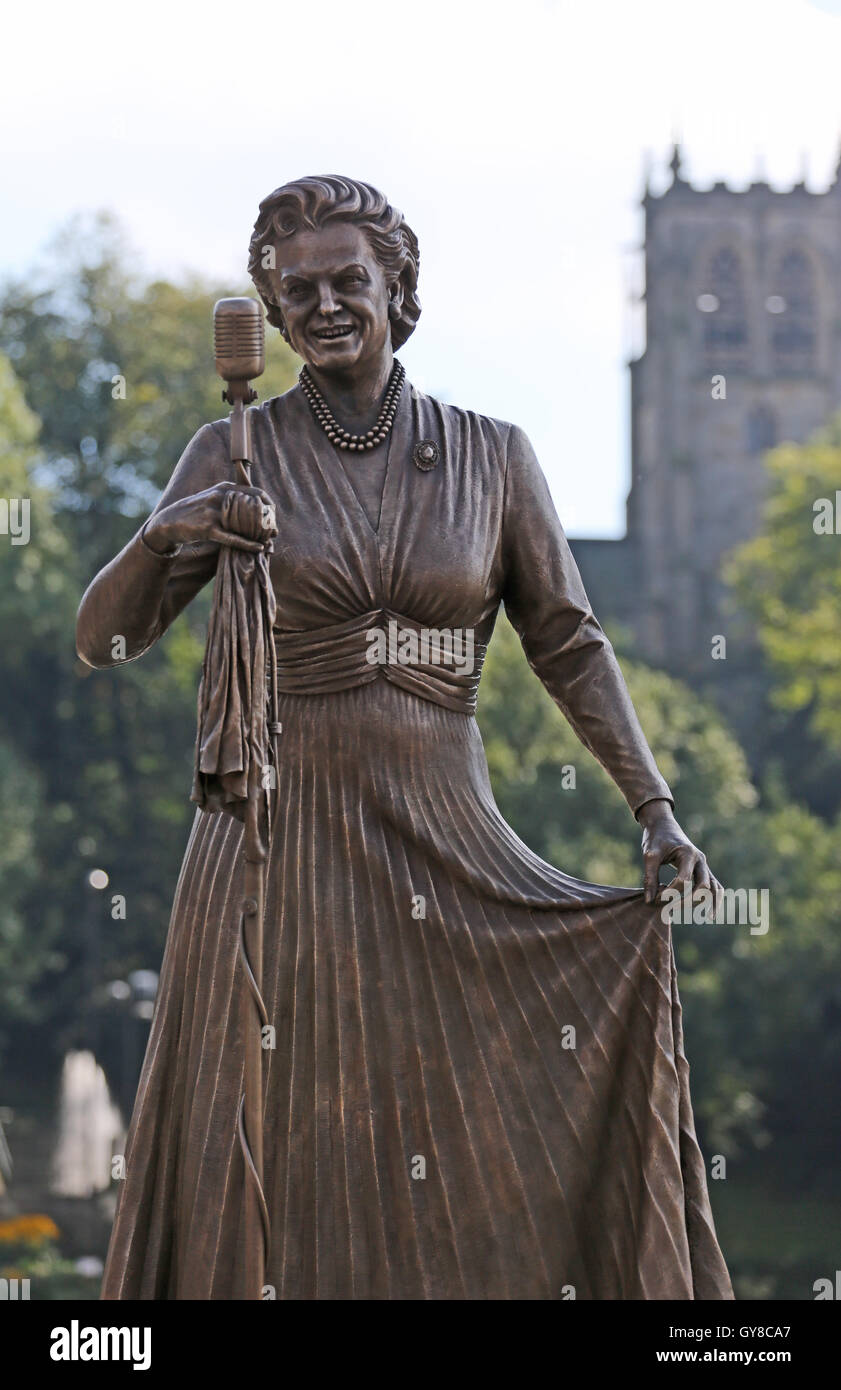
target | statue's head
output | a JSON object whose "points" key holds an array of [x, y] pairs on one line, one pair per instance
{"points": [[340, 242]]}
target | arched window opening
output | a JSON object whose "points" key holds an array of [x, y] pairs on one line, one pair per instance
{"points": [[794, 336], [725, 315]]}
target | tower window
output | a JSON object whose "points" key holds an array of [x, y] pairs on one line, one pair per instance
{"points": [[793, 337], [725, 318]]}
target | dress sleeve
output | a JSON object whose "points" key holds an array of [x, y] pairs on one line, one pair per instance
{"points": [[139, 593], [565, 646]]}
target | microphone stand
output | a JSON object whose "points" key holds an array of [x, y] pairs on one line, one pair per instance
{"points": [[253, 1013]]}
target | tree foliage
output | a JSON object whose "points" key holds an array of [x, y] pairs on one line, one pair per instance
{"points": [[789, 579]]}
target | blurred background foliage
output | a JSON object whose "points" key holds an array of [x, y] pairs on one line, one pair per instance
{"points": [[95, 767]]}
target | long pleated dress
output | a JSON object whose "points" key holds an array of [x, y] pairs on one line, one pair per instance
{"points": [[479, 1088]]}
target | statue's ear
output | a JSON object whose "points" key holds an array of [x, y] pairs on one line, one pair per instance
{"points": [[395, 300]]}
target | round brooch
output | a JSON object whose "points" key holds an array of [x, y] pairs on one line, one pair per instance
{"points": [[426, 454]]}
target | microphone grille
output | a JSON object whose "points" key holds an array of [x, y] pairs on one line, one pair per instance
{"points": [[239, 339]]}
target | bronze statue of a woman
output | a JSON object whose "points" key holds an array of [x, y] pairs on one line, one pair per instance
{"points": [[478, 1088]]}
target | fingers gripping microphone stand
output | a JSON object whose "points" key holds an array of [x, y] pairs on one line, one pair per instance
{"points": [[239, 343]]}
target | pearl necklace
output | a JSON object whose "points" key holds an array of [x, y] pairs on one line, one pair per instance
{"points": [[343, 439]]}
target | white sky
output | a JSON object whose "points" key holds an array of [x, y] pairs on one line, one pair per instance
{"points": [[512, 135]]}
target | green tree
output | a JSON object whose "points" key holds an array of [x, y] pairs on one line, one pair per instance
{"points": [[35, 605], [789, 579]]}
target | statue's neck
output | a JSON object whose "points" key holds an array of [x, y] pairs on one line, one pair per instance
{"points": [[355, 398]]}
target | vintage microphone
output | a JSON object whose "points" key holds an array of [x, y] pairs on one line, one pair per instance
{"points": [[239, 341]]}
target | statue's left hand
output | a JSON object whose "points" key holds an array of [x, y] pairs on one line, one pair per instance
{"points": [[663, 842]]}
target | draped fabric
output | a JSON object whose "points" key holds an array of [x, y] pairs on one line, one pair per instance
{"points": [[232, 740], [478, 1088]]}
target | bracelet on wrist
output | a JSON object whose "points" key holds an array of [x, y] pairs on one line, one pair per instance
{"points": [[664, 803]]}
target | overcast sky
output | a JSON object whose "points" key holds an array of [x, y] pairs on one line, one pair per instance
{"points": [[513, 136]]}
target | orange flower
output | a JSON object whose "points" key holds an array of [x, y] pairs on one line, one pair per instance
{"points": [[28, 1230]]}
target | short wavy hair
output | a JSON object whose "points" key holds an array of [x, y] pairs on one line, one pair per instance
{"points": [[309, 203]]}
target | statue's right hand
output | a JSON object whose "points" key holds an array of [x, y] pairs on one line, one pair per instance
{"points": [[212, 516]]}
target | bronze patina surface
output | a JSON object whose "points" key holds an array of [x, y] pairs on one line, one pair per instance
{"points": [[429, 1133]]}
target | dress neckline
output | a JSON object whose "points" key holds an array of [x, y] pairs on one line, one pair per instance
{"points": [[340, 475], [355, 464]]}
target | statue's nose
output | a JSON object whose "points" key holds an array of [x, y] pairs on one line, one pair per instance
{"points": [[327, 301]]}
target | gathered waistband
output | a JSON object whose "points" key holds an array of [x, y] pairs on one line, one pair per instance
{"points": [[439, 664]]}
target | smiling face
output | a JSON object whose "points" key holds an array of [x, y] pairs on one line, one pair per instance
{"points": [[334, 298]]}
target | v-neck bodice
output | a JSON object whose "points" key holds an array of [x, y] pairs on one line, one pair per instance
{"points": [[435, 556], [366, 474]]}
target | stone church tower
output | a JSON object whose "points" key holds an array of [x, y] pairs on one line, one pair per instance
{"points": [[743, 351]]}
